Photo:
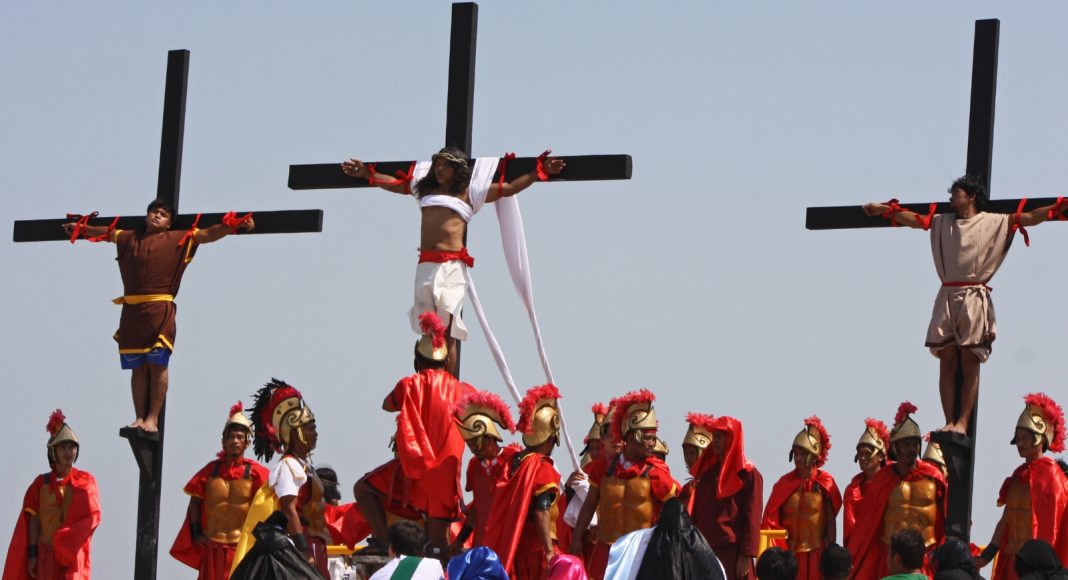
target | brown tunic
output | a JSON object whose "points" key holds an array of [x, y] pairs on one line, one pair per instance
{"points": [[150, 264]]}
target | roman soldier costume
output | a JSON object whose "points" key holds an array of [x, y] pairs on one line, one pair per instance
{"points": [[1035, 496], [67, 511], [225, 488], [875, 444], [806, 507], [594, 441], [699, 436], [893, 502], [477, 417]]}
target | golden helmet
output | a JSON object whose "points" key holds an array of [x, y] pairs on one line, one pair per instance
{"points": [[904, 426], [875, 435], [633, 412], [813, 439], [600, 411], [432, 345], [1045, 418], [539, 418], [661, 448], [279, 409], [933, 453], [59, 432], [478, 415], [237, 417], [699, 432]]}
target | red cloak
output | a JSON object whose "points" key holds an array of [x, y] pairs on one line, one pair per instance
{"points": [[807, 562], [865, 543], [482, 480], [1049, 509], [851, 498], [71, 541], [511, 504]]}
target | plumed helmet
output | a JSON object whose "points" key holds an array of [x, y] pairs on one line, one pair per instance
{"points": [[278, 410], [933, 454], [237, 418], [876, 436], [633, 411], [478, 415], [904, 426], [59, 432], [661, 448], [432, 345], [814, 439], [539, 418], [600, 411], [699, 433], [1045, 418]]}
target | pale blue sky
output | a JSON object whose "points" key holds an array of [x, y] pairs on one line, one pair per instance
{"points": [[695, 279]]}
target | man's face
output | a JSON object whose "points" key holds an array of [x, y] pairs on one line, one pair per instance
{"points": [[802, 458], [720, 441], [1025, 443], [595, 449], [158, 219], [444, 172], [690, 453], [959, 199], [867, 457], [235, 442], [311, 435], [64, 455], [907, 451], [640, 444]]}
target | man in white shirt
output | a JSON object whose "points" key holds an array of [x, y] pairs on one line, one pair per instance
{"points": [[406, 541]]}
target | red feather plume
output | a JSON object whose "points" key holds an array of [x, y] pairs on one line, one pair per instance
{"points": [[903, 411], [600, 409], [237, 408], [55, 422], [277, 397], [701, 420], [1054, 418], [825, 439], [430, 323], [621, 404], [486, 399], [880, 429], [526, 406]]}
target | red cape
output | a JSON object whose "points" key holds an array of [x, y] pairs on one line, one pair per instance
{"points": [[734, 461], [71, 541], [869, 561], [786, 486], [511, 503], [1049, 502], [851, 498]]}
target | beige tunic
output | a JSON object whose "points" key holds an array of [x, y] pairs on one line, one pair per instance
{"points": [[966, 251]]}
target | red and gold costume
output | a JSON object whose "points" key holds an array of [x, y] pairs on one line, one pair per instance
{"points": [[533, 486], [877, 437], [476, 416], [151, 266], [67, 510], [1035, 496], [894, 502], [225, 488], [699, 436], [805, 507], [728, 498]]}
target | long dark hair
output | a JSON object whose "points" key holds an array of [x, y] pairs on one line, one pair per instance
{"points": [[462, 177], [972, 185]]}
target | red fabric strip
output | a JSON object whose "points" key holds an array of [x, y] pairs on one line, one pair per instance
{"points": [[189, 234], [1058, 210], [925, 221], [893, 208], [104, 236], [440, 257], [402, 177], [543, 175], [79, 228], [1016, 223], [233, 222], [504, 168]]}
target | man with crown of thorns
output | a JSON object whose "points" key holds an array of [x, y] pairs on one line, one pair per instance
{"points": [[423, 479], [1035, 496], [805, 502], [220, 495], [907, 494], [477, 417], [523, 527], [60, 512], [872, 449], [627, 490]]}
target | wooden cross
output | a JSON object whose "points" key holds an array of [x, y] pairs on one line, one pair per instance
{"points": [[148, 447], [959, 450], [458, 121]]}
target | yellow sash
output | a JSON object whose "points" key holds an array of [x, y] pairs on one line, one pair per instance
{"points": [[142, 298], [263, 505]]}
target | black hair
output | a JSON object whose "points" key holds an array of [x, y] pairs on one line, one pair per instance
{"points": [[460, 181], [159, 202], [954, 556], [909, 546], [406, 538], [835, 563], [331, 488], [776, 564], [972, 185]]}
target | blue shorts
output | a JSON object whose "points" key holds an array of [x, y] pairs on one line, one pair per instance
{"points": [[157, 356]]}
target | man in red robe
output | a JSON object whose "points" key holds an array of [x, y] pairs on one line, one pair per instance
{"points": [[1035, 496], [424, 478], [872, 448], [627, 490], [60, 512], [523, 522], [698, 438], [906, 494], [477, 417], [805, 502], [220, 495], [152, 261], [728, 499]]}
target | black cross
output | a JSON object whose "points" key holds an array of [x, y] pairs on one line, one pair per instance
{"points": [[959, 451], [458, 120], [148, 448]]}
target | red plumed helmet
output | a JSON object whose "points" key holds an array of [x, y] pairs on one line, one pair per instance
{"points": [[815, 430], [486, 403], [633, 410], [55, 422], [430, 323], [1043, 416], [904, 410], [539, 418]]}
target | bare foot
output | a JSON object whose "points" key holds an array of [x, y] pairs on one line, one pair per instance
{"points": [[136, 424], [960, 428], [948, 427], [149, 426]]}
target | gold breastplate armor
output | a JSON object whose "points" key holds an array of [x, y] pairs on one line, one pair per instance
{"points": [[912, 505], [805, 520], [226, 502], [625, 505], [315, 510], [50, 513], [1017, 517]]}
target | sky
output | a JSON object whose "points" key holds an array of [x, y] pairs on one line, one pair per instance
{"points": [[695, 279]]}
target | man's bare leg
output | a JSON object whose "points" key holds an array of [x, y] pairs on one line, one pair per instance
{"points": [[158, 379], [949, 358], [370, 504], [969, 391], [437, 533], [452, 364], [139, 380]]}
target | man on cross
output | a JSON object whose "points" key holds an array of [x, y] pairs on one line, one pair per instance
{"points": [[152, 261], [968, 247], [448, 199]]}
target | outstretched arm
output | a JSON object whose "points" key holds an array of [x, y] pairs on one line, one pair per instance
{"points": [[90, 231], [904, 217], [219, 231], [356, 168], [553, 166], [1041, 214]]}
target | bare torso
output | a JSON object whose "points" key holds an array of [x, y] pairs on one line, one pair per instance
{"points": [[442, 229]]}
